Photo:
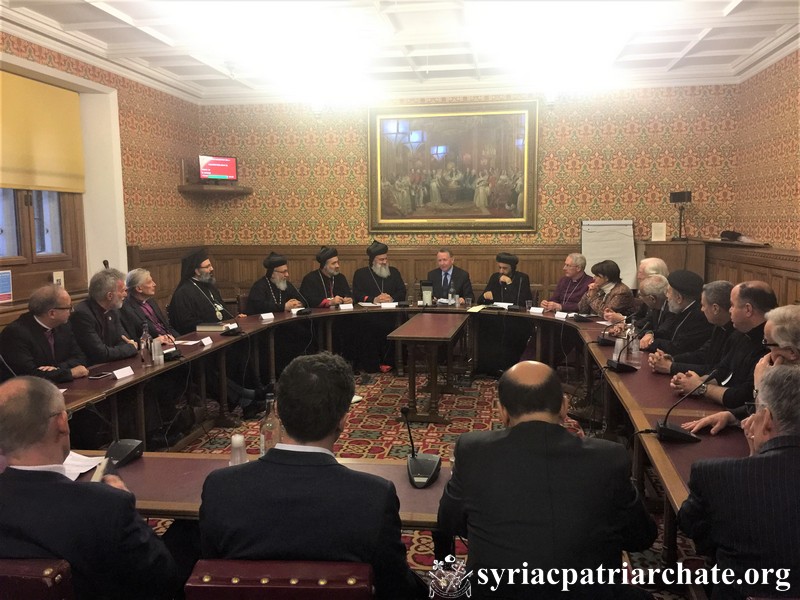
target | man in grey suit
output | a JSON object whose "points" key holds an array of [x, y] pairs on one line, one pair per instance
{"points": [[297, 502], [534, 493], [746, 511]]}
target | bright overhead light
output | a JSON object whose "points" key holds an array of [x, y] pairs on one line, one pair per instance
{"points": [[566, 46]]}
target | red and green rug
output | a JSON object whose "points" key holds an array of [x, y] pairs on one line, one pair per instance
{"points": [[375, 430]]}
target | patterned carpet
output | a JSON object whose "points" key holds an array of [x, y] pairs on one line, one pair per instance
{"points": [[375, 431]]}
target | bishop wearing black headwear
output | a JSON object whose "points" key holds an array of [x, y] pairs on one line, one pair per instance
{"points": [[274, 292], [196, 299], [326, 286], [378, 282], [502, 340], [507, 284]]}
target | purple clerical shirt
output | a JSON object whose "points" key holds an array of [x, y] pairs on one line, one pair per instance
{"points": [[568, 292]]}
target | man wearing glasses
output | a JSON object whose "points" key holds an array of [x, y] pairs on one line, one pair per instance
{"points": [[571, 287], [782, 343], [746, 511], [40, 342], [111, 551], [733, 385]]}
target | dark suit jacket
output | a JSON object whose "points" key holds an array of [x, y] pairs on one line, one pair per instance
{"points": [[746, 512], [111, 550], [537, 493], [305, 506], [687, 331], [132, 316], [460, 281], [25, 347], [100, 333], [517, 292]]}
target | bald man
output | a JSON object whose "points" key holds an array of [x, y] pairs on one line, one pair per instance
{"points": [[529, 492], [94, 526]]}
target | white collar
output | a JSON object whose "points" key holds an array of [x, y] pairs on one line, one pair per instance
{"points": [[299, 448], [54, 468]]}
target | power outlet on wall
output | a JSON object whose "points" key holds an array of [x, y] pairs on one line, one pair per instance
{"points": [[58, 278]]}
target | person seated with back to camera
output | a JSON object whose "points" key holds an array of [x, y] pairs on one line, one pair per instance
{"points": [[606, 291], [297, 502]]}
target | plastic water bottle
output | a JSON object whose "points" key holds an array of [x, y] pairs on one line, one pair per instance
{"points": [[634, 352], [158, 352], [270, 427], [146, 346], [238, 452]]}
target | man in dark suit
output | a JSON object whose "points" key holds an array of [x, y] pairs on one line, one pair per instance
{"points": [[533, 494], [43, 514], [449, 276], [40, 342], [140, 307], [96, 320], [164, 421], [746, 511], [297, 502]]}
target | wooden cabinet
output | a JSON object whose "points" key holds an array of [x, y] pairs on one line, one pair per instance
{"points": [[690, 255]]}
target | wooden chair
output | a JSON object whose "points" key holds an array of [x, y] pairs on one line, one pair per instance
{"points": [[279, 580], [35, 579]]}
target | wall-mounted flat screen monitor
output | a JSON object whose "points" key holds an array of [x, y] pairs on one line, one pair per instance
{"points": [[221, 168]]}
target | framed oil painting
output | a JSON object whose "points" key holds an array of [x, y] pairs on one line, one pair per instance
{"points": [[469, 167]]}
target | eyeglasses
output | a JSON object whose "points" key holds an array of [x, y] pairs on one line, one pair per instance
{"points": [[284, 272], [208, 266], [70, 308], [767, 344], [55, 414]]}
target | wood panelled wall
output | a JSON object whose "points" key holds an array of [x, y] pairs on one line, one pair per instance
{"points": [[779, 268], [237, 267]]}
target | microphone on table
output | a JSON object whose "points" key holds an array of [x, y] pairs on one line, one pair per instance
{"points": [[602, 340], [674, 433], [423, 469]]}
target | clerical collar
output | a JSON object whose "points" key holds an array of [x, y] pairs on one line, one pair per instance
{"points": [[579, 277], [42, 324], [54, 468], [299, 448]]}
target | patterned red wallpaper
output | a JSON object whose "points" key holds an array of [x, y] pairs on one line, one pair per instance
{"points": [[768, 155], [612, 156]]}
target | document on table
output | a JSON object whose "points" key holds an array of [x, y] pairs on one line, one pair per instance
{"points": [[187, 342], [78, 463]]}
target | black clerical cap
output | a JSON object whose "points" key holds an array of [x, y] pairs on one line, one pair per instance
{"points": [[325, 254], [192, 261], [686, 283], [273, 261], [507, 259], [376, 248]]}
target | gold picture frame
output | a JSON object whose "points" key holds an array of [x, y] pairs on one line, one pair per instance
{"points": [[455, 167]]}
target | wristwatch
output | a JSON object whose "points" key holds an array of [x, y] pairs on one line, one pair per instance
{"points": [[701, 391]]}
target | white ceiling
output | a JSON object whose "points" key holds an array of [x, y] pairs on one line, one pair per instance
{"points": [[416, 48]]}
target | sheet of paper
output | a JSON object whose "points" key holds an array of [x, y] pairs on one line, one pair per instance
{"points": [[367, 304], [78, 463], [187, 342]]}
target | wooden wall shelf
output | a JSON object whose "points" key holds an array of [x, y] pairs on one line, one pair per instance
{"points": [[204, 189]]}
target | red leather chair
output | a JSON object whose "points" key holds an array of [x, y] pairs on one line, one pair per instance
{"points": [[35, 579], [278, 580]]}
